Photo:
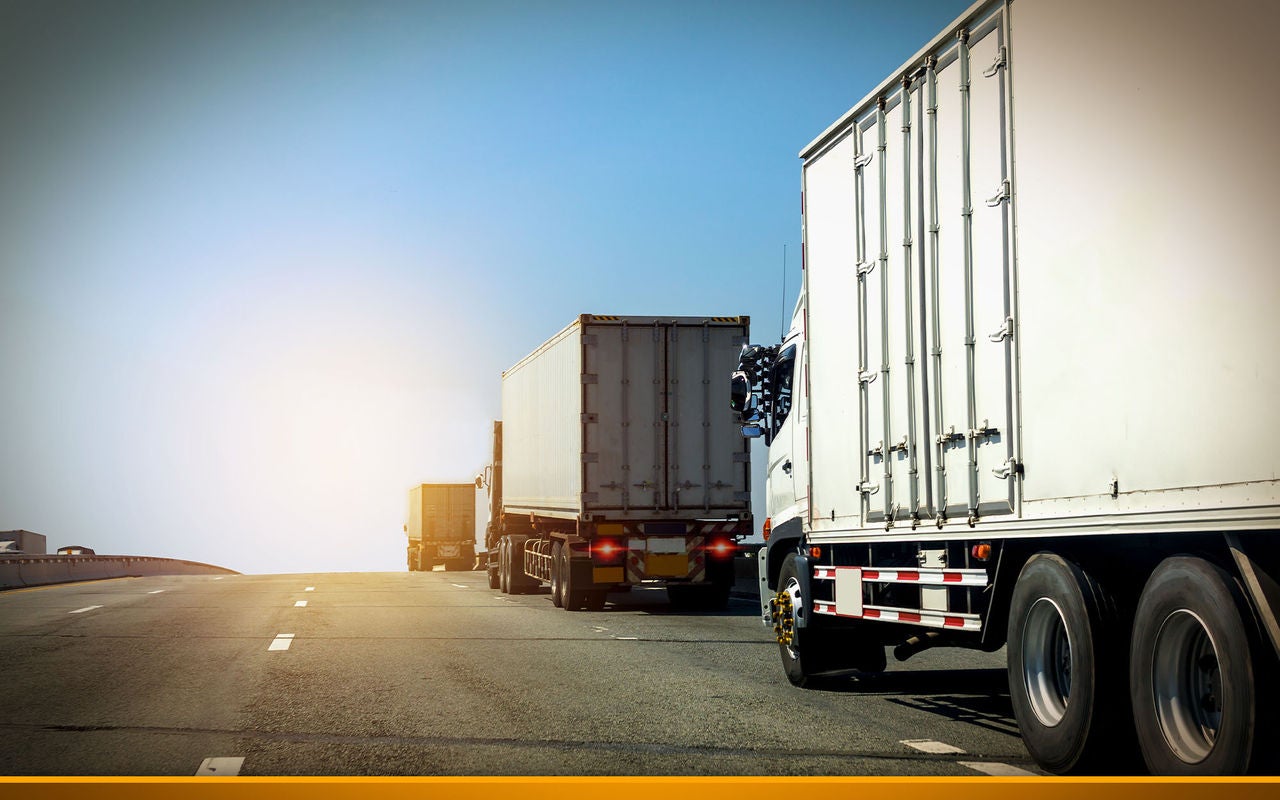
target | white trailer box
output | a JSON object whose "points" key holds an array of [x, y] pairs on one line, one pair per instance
{"points": [[1061, 279], [1035, 375], [625, 418]]}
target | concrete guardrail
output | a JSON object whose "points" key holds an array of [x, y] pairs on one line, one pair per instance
{"points": [[30, 570]]}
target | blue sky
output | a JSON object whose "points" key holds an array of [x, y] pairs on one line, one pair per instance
{"points": [[262, 264]]}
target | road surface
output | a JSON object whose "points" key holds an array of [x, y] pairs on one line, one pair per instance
{"points": [[436, 674]]}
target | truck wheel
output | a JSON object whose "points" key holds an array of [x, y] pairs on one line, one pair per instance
{"points": [[1191, 672], [492, 572], [1066, 667], [570, 598], [557, 596], [504, 567], [807, 651], [517, 582]]}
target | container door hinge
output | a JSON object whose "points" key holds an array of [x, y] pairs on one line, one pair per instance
{"points": [[1002, 59], [950, 436], [1010, 467], [1005, 331], [1001, 195]]}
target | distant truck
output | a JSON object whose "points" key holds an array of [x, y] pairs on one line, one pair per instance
{"points": [[1029, 394], [25, 542], [441, 526], [618, 463]]}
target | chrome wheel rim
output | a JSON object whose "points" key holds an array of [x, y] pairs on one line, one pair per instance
{"points": [[1186, 682], [788, 605], [1046, 661]]}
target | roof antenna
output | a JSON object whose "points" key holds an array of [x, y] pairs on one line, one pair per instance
{"points": [[783, 323]]}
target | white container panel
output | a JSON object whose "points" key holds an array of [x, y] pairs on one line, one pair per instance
{"points": [[949, 385], [542, 431], [708, 466], [875, 445], [623, 403], [895, 314], [990, 270], [832, 292], [1147, 324]]}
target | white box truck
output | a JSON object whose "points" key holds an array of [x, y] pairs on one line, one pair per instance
{"points": [[618, 462], [1029, 393]]}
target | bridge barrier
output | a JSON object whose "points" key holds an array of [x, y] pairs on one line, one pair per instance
{"points": [[31, 570]]}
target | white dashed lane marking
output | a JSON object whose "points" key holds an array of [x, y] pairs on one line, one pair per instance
{"points": [[994, 768], [300, 604], [309, 589], [930, 746], [281, 642], [156, 591], [227, 765], [82, 610], [627, 638], [460, 586]]}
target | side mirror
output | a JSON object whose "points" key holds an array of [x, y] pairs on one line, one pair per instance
{"points": [[739, 392], [752, 431]]}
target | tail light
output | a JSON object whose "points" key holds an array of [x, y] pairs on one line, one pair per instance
{"points": [[607, 550], [721, 548]]}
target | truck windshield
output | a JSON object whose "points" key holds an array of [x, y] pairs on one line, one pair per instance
{"points": [[783, 370]]}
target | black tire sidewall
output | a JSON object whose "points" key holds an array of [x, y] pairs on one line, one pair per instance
{"points": [[557, 588], [808, 643], [1060, 747], [1210, 593]]}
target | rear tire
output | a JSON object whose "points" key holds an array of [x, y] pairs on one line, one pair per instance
{"points": [[1067, 667], [492, 572], [1192, 672], [571, 598], [504, 566], [557, 595]]}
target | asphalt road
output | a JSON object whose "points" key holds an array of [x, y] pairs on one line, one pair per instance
{"points": [[436, 674]]}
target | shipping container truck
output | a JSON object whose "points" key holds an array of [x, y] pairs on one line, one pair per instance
{"points": [[618, 462], [441, 526], [1028, 396]]}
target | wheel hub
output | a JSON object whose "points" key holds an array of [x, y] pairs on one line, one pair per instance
{"points": [[1187, 684]]}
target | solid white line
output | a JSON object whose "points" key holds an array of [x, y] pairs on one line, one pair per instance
{"points": [[281, 642], [994, 768], [300, 604], [309, 589], [157, 591], [460, 586], [82, 610], [225, 765], [930, 746], [220, 577]]}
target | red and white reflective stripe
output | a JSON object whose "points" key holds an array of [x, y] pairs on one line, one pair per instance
{"points": [[929, 577], [697, 558], [929, 619], [722, 528]]}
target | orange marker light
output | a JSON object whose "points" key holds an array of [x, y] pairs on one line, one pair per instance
{"points": [[768, 528], [816, 552], [982, 551]]}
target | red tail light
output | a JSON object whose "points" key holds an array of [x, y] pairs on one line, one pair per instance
{"points": [[721, 548], [607, 550]]}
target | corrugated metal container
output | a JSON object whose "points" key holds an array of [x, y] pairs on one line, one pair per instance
{"points": [[1041, 280], [442, 512], [26, 541], [627, 418]]}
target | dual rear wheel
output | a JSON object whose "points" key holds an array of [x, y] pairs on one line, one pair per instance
{"points": [[1092, 686]]}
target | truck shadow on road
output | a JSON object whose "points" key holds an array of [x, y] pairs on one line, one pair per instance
{"points": [[976, 696]]}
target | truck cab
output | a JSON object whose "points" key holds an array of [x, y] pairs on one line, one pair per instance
{"points": [[769, 395]]}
